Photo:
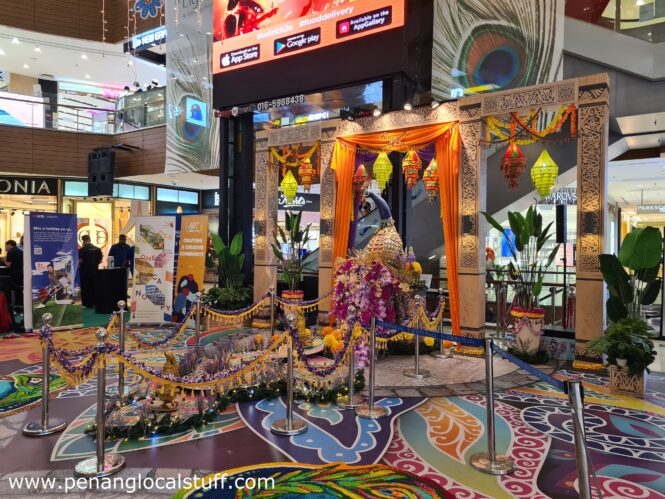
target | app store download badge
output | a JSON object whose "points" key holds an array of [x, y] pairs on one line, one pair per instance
{"points": [[299, 41], [240, 56], [365, 22]]}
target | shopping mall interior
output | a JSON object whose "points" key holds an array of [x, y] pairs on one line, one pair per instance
{"points": [[337, 248]]}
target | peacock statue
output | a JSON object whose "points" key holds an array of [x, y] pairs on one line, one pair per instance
{"points": [[386, 245]]}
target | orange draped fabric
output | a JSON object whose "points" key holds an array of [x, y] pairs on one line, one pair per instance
{"points": [[446, 139]]}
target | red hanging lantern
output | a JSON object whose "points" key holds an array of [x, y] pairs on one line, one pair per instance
{"points": [[431, 180], [306, 172], [360, 178], [512, 166], [411, 166]]}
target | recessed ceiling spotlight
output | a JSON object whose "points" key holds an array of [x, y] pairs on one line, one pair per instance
{"points": [[87, 75], [408, 106], [15, 41], [2, 52], [26, 66], [376, 112], [38, 48], [84, 56], [435, 104]]}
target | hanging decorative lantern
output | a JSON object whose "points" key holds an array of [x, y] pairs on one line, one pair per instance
{"points": [[512, 165], [289, 186], [383, 169], [411, 166], [431, 180], [544, 173], [360, 178], [306, 172]]}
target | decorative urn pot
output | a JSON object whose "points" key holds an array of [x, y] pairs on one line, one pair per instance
{"points": [[528, 328]]}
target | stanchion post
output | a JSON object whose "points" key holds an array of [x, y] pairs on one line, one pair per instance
{"points": [[369, 410], [197, 322], [289, 425], [272, 310], [576, 397], [121, 343], [553, 290], [441, 354], [416, 372], [46, 426], [489, 462], [351, 400], [102, 464]]}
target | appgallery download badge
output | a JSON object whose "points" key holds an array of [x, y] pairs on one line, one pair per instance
{"points": [[365, 22], [300, 41], [240, 56]]}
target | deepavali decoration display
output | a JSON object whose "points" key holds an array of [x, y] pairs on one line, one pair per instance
{"points": [[411, 166], [383, 170], [302, 161], [544, 173], [289, 186], [431, 180], [524, 130], [512, 166]]}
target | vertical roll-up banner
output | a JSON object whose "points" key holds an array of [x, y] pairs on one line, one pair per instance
{"points": [[50, 263], [153, 269], [191, 263]]}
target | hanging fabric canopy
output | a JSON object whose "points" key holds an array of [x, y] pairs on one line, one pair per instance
{"points": [[445, 137]]}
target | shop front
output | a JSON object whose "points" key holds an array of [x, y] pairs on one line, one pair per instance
{"points": [[20, 195]]}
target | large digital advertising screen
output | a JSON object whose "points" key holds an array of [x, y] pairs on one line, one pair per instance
{"points": [[251, 32]]}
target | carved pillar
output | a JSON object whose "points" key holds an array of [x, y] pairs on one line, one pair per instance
{"points": [[472, 196], [592, 220], [327, 223], [265, 221]]}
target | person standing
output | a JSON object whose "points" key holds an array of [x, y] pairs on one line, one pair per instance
{"points": [[90, 256], [122, 253], [14, 261]]}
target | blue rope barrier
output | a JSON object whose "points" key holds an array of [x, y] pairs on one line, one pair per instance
{"points": [[556, 383], [462, 340]]}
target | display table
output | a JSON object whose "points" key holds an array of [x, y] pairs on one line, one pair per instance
{"points": [[110, 288]]}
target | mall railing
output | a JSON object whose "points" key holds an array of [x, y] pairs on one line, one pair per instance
{"points": [[642, 19], [47, 113]]}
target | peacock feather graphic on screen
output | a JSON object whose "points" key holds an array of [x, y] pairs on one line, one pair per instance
{"points": [[192, 138], [485, 45]]}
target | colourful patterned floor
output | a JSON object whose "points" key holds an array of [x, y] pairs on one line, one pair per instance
{"points": [[431, 437]]}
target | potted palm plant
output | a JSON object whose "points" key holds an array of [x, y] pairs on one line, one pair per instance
{"points": [[527, 269], [633, 282], [290, 249]]}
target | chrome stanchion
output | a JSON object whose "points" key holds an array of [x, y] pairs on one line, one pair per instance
{"points": [[120, 391], [46, 426], [351, 400], [489, 462], [101, 464], [289, 426], [272, 311], [576, 398], [369, 410], [441, 354], [416, 372], [197, 322], [553, 290]]}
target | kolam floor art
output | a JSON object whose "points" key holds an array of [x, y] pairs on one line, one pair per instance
{"points": [[432, 429]]}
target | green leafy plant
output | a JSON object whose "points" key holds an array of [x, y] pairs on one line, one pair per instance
{"points": [[527, 266], [229, 260], [632, 277], [227, 298], [293, 261], [628, 338]]}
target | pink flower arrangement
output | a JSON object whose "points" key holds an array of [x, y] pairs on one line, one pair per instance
{"points": [[362, 291]]}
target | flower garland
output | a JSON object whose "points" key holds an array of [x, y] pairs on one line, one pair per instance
{"points": [[531, 313], [180, 329], [233, 316], [502, 129], [305, 306], [362, 291]]}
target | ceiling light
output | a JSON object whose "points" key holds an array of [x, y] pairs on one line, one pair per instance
{"points": [[87, 75], [84, 56], [376, 112], [639, 3], [2, 52], [38, 48], [408, 106], [26, 66], [432, 257], [351, 117], [208, 33], [15, 41], [435, 104]]}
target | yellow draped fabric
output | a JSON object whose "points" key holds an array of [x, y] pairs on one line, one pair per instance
{"points": [[446, 140]]}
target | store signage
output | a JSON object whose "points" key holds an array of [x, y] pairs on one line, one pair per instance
{"points": [[646, 209], [263, 32], [302, 202], [149, 38], [566, 195], [294, 135], [210, 199], [29, 185]]}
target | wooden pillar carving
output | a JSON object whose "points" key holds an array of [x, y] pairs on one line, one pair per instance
{"points": [[593, 118], [327, 223], [265, 221]]}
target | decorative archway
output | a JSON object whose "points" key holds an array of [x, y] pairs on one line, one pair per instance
{"points": [[591, 96]]}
